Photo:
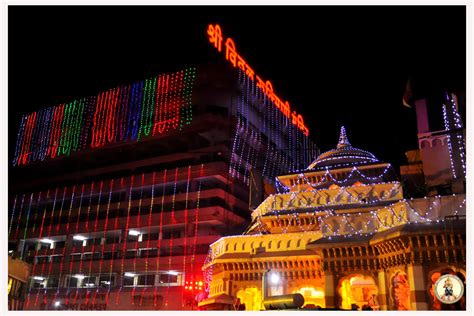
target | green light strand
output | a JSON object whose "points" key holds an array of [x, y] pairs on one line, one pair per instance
{"points": [[145, 111], [62, 148], [189, 92], [78, 125]]}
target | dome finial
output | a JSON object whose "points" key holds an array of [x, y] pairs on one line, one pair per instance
{"points": [[343, 141]]}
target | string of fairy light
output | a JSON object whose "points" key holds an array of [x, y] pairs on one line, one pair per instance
{"points": [[301, 179], [127, 113], [258, 118], [372, 223], [95, 202], [453, 124]]}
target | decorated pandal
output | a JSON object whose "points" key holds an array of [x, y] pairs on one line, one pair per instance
{"points": [[342, 234]]}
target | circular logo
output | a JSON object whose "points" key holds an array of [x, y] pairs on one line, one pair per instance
{"points": [[449, 289]]}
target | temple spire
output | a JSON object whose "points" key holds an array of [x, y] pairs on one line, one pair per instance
{"points": [[343, 141]]}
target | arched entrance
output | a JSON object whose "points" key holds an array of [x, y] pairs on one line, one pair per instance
{"points": [[251, 297], [358, 291], [400, 291]]}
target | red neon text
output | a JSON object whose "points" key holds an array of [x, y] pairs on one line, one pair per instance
{"points": [[215, 37]]}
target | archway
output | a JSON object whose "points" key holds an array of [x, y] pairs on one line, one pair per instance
{"points": [[358, 291], [251, 297], [400, 291]]}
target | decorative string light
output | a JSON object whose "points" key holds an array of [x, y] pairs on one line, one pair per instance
{"points": [[26, 146], [51, 255], [38, 201], [114, 243], [35, 135], [89, 110], [160, 234], [13, 215], [186, 227], [101, 186], [61, 210], [106, 222], [328, 176], [453, 125], [196, 222], [45, 133], [74, 245], [36, 251], [64, 248], [153, 178], [19, 140], [124, 247], [124, 113], [136, 241], [173, 221], [27, 218]]}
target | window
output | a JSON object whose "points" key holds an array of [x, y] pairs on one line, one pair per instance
{"points": [[128, 280], [130, 254], [42, 259], [167, 278], [132, 238], [97, 241], [107, 280], [37, 283], [148, 252], [75, 257], [72, 281], [112, 239], [59, 244], [89, 281], [78, 243], [172, 234], [152, 236], [146, 280], [108, 255], [57, 258], [53, 281]]}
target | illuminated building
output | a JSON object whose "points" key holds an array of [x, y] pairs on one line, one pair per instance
{"points": [[115, 198], [439, 165], [341, 234], [18, 275]]}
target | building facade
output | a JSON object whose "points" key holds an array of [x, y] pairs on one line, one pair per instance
{"points": [[115, 198], [341, 234], [18, 278], [440, 164]]}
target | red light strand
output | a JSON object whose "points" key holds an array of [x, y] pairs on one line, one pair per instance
{"points": [[160, 236]]}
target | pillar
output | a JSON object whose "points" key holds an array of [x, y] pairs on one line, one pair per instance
{"points": [[418, 291], [329, 290], [382, 296]]}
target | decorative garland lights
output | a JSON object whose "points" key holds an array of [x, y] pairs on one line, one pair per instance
{"points": [[127, 113], [328, 177], [261, 114], [285, 147], [364, 195], [332, 224], [90, 262], [453, 125]]}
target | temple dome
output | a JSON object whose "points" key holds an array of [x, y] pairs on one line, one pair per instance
{"points": [[344, 155]]}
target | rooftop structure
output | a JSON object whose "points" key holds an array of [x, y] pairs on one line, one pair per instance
{"points": [[342, 235]]}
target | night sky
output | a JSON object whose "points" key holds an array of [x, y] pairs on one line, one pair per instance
{"points": [[335, 65]]}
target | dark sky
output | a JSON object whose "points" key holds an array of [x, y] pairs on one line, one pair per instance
{"points": [[335, 65]]}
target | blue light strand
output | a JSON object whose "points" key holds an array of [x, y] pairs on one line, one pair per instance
{"points": [[46, 132], [13, 214], [19, 139]]}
